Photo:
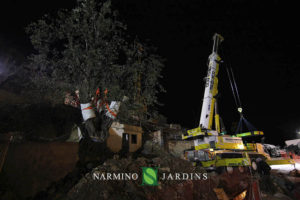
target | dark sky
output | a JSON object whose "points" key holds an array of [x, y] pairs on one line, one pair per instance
{"points": [[261, 45]]}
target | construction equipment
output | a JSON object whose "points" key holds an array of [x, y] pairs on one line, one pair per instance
{"points": [[211, 89], [267, 152], [271, 154], [292, 150], [209, 106], [220, 160], [212, 149]]}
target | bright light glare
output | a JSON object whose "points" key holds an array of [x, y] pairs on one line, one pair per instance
{"points": [[286, 168]]}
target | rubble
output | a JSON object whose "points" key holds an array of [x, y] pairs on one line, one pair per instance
{"points": [[83, 185], [234, 185], [80, 184], [88, 188], [295, 173]]}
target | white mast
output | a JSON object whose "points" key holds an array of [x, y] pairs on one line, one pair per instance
{"points": [[211, 86]]}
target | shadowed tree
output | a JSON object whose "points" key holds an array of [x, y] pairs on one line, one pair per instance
{"points": [[88, 48], [10, 59]]}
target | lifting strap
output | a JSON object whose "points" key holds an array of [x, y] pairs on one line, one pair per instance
{"points": [[237, 99], [103, 102], [238, 103]]}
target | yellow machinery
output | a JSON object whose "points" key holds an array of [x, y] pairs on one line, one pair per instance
{"points": [[209, 106], [217, 152], [269, 153], [257, 148], [213, 159], [211, 148]]}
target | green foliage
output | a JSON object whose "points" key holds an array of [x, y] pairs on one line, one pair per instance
{"points": [[87, 48]]}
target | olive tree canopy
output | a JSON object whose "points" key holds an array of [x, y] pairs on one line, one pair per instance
{"points": [[87, 48]]}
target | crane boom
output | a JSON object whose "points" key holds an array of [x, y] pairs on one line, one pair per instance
{"points": [[211, 85]]}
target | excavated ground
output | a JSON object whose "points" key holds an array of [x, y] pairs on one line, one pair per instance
{"points": [[30, 167], [59, 170], [52, 171]]}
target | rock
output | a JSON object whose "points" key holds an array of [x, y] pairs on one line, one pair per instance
{"points": [[75, 135], [282, 196], [177, 147], [267, 185], [151, 148], [89, 166], [284, 184], [295, 173], [176, 189], [82, 185], [165, 169]]}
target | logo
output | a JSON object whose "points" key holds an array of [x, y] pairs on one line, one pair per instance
{"points": [[150, 176]]}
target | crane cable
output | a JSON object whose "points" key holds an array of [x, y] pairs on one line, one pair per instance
{"points": [[236, 89], [231, 85], [237, 99], [240, 110]]}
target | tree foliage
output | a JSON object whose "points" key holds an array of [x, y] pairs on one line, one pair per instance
{"points": [[87, 48], [10, 59]]}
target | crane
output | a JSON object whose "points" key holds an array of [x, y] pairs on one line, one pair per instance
{"points": [[211, 89], [209, 106], [212, 149]]}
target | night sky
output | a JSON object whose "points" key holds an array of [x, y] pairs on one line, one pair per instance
{"points": [[261, 45]]}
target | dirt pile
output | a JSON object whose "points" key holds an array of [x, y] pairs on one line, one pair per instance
{"points": [[90, 188], [32, 166], [82, 184], [275, 186], [88, 182], [98, 184]]}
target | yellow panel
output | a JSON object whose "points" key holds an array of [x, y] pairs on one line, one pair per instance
{"points": [[195, 130], [211, 113], [230, 146], [202, 146], [280, 161], [251, 146], [217, 123]]}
